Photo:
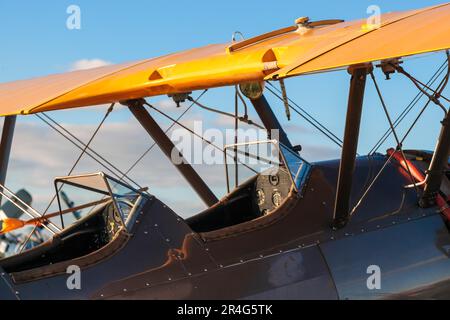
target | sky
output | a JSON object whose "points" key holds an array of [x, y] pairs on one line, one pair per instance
{"points": [[36, 42]]}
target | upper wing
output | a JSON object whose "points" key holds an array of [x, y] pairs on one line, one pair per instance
{"points": [[286, 52], [416, 32]]}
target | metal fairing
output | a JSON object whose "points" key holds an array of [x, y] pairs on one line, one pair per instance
{"points": [[145, 249], [388, 198], [291, 253], [279, 258], [6, 287], [411, 256], [300, 274]]}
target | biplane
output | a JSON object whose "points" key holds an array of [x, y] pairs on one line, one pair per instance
{"points": [[295, 230]]}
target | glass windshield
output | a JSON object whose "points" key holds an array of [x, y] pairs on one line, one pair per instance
{"points": [[83, 195], [297, 166], [78, 197], [125, 197], [245, 160]]}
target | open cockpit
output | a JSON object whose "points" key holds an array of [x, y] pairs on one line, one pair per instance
{"points": [[280, 173], [105, 207], [93, 209]]}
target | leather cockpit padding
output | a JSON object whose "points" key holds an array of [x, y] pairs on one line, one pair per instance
{"points": [[259, 223], [86, 261]]}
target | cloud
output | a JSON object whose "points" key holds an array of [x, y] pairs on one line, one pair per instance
{"points": [[39, 155], [168, 105], [292, 128], [85, 64]]}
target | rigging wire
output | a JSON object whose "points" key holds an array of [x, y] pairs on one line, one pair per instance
{"points": [[419, 83], [439, 90], [166, 131], [108, 112], [139, 159], [440, 87], [399, 144], [72, 138], [436, 94], [195, 134], [243, 102], [236, 135], [308, 117], [369, 187], [323, 129], [242, 119], [407, 110]]}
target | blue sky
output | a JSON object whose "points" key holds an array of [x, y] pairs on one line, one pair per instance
{"points": [[35, 42]]}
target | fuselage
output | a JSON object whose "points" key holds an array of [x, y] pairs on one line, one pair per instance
{"points": [[291, 253]]}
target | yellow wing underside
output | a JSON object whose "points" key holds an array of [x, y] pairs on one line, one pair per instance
{"points": [[297, 52]]}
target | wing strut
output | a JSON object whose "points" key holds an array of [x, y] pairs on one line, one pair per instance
{"points": [[166, 145], [5, 146], [436, 172], [269, 120], [349, 149], [438, 165]]}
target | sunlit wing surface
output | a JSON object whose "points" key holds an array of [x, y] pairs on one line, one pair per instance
{"points": [[424, 31], [290, 52]]}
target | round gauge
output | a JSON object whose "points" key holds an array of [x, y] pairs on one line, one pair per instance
{"points": [[260, 197], [274, 180], [276, 199], [252, 90], [117, 217]]}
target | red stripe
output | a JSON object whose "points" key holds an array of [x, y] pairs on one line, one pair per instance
{"points": [[420, 177]]}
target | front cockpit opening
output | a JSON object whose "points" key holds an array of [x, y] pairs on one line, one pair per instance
{"points": [[93, 210], [91, 191]]}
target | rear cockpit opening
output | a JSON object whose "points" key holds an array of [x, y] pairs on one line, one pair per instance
{"points": [[272, 173]]}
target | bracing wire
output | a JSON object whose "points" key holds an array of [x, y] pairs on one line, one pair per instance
{"points": [[139, 159], [77, 161], [236, 134], [440, 88], [391, 124], [80, 145], [194, 133], [408, 109], [227, 114], [433, 97], [307, 116]]}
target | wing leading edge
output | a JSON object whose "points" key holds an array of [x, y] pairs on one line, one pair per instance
{"points": [[291, 52]]}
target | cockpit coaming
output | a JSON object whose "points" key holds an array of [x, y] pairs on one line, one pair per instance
{"points": [[115, 207], [93, 226]]}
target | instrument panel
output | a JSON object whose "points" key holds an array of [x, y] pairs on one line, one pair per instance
{"points": [[271, 189]]}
